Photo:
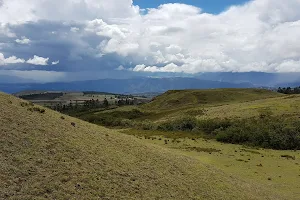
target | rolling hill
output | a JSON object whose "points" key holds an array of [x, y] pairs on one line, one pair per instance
{"points": [[176, 99], [45, 155]]}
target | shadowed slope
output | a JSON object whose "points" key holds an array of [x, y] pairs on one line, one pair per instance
{"points": [[46, 156]]}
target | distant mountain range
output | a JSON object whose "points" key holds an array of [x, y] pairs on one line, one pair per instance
{"points": [[255, 78], [150, 85], [126, 86]]}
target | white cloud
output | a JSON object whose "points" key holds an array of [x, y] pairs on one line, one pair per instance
{"points": [[74, 29], [23, 40], [5, 30], [120, 68], [36, 60], [55, 62], [101, 28], [10, 60], [257, 36], [16, 11], [261, 35]]}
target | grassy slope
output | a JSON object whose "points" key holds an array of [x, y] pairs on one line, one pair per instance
{"points": [[217, 103], [285, 105], [43, 156], [176, 99]]}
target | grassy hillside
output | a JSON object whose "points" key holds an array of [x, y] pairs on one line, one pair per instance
{"points": [[190, 98], [44, 155]]}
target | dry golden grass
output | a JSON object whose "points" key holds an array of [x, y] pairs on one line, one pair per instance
{"points": [[50, 156]]}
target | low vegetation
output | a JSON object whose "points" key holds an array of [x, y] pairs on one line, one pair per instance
{"points": [[42, 96], [266, 126], [263, 131]]}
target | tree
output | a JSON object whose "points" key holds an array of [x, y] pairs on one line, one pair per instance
{"points": [[105, 103]]}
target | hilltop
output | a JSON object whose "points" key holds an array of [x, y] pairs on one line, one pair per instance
{"points": [[46, 155], [175, 99]]}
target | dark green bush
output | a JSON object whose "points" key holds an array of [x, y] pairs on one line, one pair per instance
{"points": [[210, 126], [181, 124], [267, 133]]}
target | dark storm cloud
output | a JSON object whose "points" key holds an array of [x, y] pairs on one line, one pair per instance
{"points": [[76, 51]]}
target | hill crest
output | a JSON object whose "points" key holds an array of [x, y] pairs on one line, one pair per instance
{"points": [[174, 99]]}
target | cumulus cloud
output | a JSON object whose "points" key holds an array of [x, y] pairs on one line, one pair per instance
{"points": [[36, 60], [23, 40], [261, 35], [5, 30], [55, 62], [120, 68], [16, 11], [74, 29], [258, 36], [10, 60]]}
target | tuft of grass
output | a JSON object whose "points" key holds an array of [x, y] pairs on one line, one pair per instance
{"points": [[200, 149], [251, 151], [289, 157], [36, 109]]}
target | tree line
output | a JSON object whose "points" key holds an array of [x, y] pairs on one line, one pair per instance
{"points": [[90, 104], [289, 90]]}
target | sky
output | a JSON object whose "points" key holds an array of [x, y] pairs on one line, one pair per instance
{"points": [[211, 6], [54, 40]]}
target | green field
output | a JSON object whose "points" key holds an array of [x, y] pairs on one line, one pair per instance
{"points": [[276, 170]]}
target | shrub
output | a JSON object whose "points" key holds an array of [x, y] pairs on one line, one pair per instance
{"points": [[289, 157], [36, 109], [212, 126], [181, 124], [263, 132], [265, 113], [145, 125], [196, 112], [42, 111]]}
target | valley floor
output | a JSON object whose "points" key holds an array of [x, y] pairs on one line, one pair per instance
{"points": [[276, 171]]}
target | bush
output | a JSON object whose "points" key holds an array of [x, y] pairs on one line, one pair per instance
{"points": [[211, 126], [181, 124], [145, 125], [36, 109], [267, 133], [195, 112]]}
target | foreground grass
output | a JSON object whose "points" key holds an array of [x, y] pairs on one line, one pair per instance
{"points": [[45, 155], [278, 171]]}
